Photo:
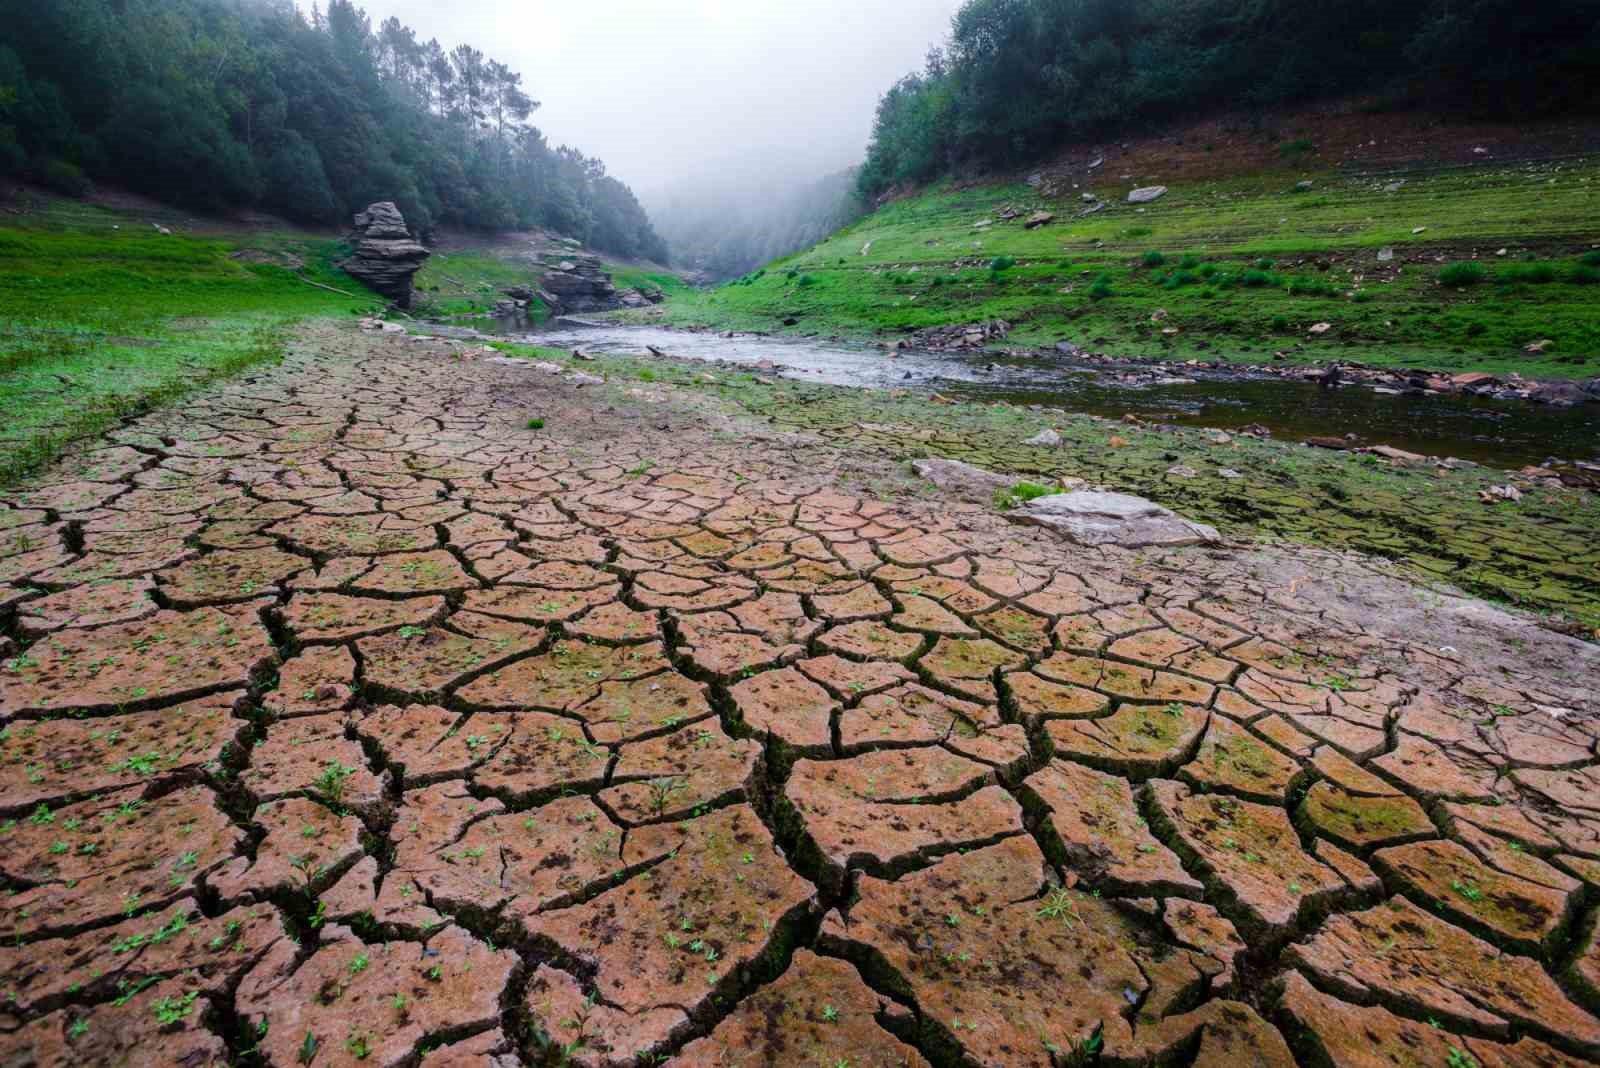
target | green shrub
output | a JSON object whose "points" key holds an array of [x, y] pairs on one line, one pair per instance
{"points": [[1298, 147], [62, 177], [1154, 259], [1178, 279], [1101, 290], [536, 424], [1208, 270], [1280, 323], [1590, 258], [1361, 297], [806, 281], [1584, 275], [1533, 274], [1265, 264], [1257, 279], [1189, 263], [1002, 263], [1476, 329], [1460, 275]]}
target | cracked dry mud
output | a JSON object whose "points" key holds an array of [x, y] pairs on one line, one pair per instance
{"points": [[344, 720]]}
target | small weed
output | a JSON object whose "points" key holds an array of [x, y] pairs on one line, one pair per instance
{"points": [[171, 1010], [1018, 495], [1059, 906], [536, 423], [663, 790], [359, 1046], [331, 783]]}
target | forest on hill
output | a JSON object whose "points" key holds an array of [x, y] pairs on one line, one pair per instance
{"points": [[1020, 77], [219, 104]]}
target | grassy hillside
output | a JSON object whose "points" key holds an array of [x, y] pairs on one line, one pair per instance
{"points": [[101, 316], [1242, 266]]}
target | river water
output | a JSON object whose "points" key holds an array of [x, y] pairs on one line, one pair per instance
{"points": [[1507, 434]]}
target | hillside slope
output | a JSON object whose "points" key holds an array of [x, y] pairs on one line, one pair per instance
{"points": [[1267, 231]]}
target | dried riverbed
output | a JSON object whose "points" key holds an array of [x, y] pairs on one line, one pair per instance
{"points": [[346, 716]]}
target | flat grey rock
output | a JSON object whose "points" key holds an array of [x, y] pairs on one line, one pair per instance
{"points": [[962, 479], [1147, 194], [1046, 439], [1090, 518]]}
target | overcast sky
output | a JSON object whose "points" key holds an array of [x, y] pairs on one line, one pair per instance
{"points": [[665, 90]]}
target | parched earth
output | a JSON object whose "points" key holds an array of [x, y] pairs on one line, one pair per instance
{"points": [[345, 719]]}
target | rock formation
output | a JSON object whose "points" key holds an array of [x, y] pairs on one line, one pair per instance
{"points": [[578, 283], [386, 259]]}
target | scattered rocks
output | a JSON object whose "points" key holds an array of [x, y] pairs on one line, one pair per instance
{"points": [[969, 338]]}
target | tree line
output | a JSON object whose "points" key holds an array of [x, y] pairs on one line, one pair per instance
{"points": [[225, 103], [1020, 77]]}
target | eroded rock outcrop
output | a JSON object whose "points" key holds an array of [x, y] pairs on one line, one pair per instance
{"points": [[579, 284], [387, 258]]}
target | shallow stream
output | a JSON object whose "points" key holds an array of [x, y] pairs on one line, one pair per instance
{"points": [[1507, 434]]}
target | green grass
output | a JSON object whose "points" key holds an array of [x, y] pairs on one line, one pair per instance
{"points": [[1242, 267], [469, 282], [644, 279], [97, 323]]}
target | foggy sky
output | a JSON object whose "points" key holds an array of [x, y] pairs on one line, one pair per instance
{"points": [[672, 90]]}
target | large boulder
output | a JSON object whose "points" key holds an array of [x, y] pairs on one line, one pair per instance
{"points": [[1091, 518], [386, 259], [579, 284], [1147, 194]]}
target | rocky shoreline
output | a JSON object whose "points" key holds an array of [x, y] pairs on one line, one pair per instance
{"points": [[980, 338]]}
